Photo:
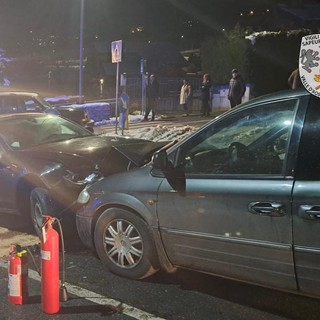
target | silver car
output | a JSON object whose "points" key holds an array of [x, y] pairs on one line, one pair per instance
{"points": [[239, 198]]}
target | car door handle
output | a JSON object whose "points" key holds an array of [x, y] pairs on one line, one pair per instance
{"points": [[270, 209], [310, 212]]}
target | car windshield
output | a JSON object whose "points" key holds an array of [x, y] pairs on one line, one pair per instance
{"points": [[31, 130], [248, 129]]}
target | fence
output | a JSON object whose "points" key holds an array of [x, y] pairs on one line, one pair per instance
{"points": [[170, 90]]}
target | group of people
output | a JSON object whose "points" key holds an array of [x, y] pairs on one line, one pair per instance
{"points": [[236, 91], [237, 88]]}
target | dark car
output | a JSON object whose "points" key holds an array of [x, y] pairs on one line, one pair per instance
{"points": [[239, 198], [46, 160], [15, 101]]}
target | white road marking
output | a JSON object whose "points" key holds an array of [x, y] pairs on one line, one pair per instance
{"points": [[97, 298]]}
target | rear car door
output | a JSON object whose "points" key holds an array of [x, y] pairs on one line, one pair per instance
{"points": [[6, 181], [235, 216], [306, 204]]}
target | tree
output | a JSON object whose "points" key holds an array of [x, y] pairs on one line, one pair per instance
{"points": [[3, 65], [222, 54], [273, 56]]}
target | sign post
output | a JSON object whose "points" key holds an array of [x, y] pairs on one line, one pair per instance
{"points": [[116, 55], [81, 52], [143, 86]]}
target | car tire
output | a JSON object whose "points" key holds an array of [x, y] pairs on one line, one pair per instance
{"points": [[130, 251], [40, 205]]}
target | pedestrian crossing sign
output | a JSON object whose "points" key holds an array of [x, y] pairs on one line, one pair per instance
{"points": [[116, 51]]}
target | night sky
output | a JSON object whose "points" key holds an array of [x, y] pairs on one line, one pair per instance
{"points": [[22, 20]]}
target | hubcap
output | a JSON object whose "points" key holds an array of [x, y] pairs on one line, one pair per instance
{"points": [[123, 243]]}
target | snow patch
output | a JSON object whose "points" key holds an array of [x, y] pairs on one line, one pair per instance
{"points": [[158, 133]]}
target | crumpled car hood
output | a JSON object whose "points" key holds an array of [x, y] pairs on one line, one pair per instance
{"points": [[95, 152]]}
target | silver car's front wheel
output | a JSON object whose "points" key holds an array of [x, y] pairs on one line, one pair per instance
{"points": [[123, 242]]}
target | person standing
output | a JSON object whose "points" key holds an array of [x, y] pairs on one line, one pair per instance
{"points": [[124, 99], [185, 95], [294, 80], [237, 88], [205, 95], [152, 97]]}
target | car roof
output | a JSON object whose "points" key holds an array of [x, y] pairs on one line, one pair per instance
{"points": [[22, 93], [284, 94], [23, 115]]}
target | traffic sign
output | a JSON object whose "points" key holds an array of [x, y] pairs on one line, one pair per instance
{"points": [[116, 51]]}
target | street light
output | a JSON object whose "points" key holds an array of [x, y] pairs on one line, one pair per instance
{"points": [[81, 52], [101, 87]]}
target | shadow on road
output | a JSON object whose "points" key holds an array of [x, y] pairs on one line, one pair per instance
{"points": [[71, 238], [282, 304], [16, 223]]}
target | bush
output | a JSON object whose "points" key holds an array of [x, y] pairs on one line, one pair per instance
{"points": [[264, 59]]}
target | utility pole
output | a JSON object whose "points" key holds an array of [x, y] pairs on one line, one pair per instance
{"points": [[81, 52]]}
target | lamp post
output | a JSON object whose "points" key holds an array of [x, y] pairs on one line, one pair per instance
{"points": [[81, 52], [101, 87]]}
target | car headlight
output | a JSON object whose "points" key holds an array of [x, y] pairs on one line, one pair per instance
{"points": [[77, 180], [83, 197]]}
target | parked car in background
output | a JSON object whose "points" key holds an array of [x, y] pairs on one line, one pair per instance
{"points": [[15, 101], [46, 160], [239, 198]]}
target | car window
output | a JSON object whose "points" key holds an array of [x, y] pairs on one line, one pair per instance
{"points": [[308, 167], [31, 105], [9, 104], [252, 141]]}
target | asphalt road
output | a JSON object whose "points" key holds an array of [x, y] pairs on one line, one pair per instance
{"points": [[95, 293]]}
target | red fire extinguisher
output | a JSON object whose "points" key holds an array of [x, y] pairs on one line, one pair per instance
{"points": [[50, 295], [18, 276]]}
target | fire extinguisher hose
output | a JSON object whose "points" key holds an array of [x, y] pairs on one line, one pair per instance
{"points": [[64, 293], [32, 257]]}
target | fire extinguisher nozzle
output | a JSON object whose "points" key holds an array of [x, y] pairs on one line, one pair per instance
{"points": [[64, 293]]}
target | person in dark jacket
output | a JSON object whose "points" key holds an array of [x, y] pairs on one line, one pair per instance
{"points": [[205, 95], [294, 80], [237, 88], [152, 97]]}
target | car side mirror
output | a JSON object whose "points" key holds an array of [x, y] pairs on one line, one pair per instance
{"points": [[160, 160], [175, 176]]}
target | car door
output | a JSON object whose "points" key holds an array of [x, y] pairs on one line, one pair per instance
{"points": [[6, 181], [306, 204], [234, 218]]}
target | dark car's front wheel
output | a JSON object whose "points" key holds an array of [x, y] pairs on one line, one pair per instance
{"points": [[123, 242], [40, 205]]}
